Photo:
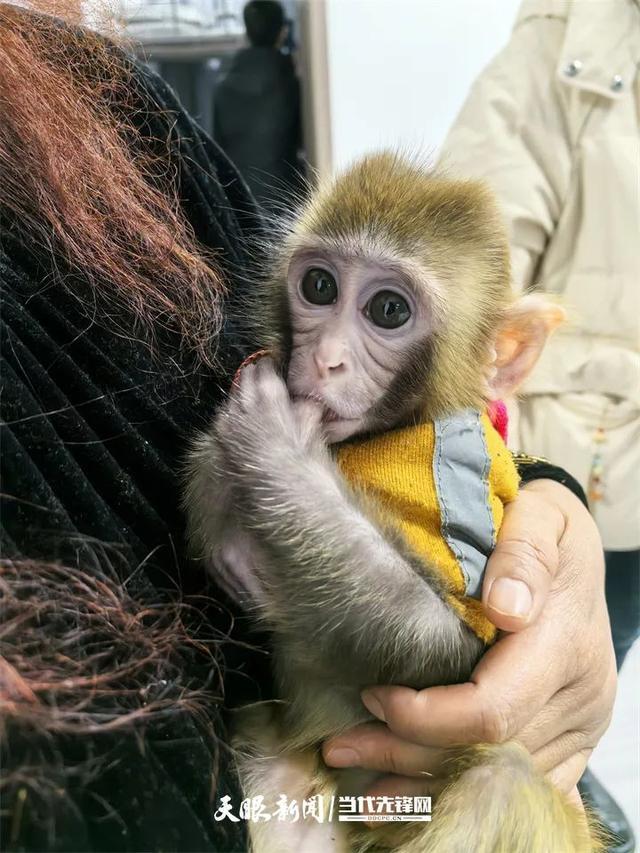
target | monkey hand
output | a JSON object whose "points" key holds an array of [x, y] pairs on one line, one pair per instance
{"points": [[261, 425]]}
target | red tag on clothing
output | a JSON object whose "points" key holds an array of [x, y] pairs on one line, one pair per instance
{"points": [[499, 418]]}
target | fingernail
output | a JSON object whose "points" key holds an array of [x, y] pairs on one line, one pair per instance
{"points": [[341, 756], [510, 597], [373, 705]]}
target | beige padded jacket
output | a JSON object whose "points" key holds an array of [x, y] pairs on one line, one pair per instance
{"points": [[553, 125]]}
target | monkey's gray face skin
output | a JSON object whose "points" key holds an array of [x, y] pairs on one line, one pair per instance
{"points": [[354, 321]]}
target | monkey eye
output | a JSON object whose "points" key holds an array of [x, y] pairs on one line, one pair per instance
{"points": [[388, 310], [319, 287]]}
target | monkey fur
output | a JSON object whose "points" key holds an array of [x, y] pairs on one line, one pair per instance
{"points": [[347, 602]]}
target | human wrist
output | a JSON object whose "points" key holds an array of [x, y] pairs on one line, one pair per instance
{"points": [[535, 469]]}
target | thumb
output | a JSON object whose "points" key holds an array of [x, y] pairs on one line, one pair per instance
{"points": [[525, 560]]}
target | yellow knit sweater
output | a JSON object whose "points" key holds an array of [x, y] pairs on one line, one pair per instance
{"points": [[438, 483]]}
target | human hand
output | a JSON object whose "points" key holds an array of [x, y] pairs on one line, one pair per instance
{"points": [[549, 683]]}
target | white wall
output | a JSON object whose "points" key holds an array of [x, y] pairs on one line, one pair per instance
{"points": [[399, 70]]}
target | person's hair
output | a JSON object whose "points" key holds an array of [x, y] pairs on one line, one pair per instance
{"points": [[92, 200], [78, 180], [263, 20], [86, 667]]}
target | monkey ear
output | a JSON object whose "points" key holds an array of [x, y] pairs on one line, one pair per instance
{"points": [[522, 335]]}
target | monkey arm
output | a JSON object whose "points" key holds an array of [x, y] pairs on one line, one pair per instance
{"points": [[335, 581], [215, 534]]}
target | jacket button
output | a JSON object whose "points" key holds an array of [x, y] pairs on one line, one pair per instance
{"points": [[572, 68], [617, 83]]}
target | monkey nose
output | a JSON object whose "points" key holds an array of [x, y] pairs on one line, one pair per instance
{"points": [[328, 367]]}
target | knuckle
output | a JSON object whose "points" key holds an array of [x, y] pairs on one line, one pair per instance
{"points": [[578, 741], [389, 762], [607, 698], [594, 716], [527, 555], [597, 679], [493, 724]]}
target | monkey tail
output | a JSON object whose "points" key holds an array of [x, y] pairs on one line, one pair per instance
{"points": [[498, 803]]}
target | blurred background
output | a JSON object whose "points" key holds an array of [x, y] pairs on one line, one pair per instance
{"points": [[334, 79], [372, 72]]}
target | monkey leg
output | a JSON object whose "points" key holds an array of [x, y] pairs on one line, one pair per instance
{"points": [[266, 769], [498, 803]]}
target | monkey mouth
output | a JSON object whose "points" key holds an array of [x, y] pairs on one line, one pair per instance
{"points": [[340, 426], [329, 415]]}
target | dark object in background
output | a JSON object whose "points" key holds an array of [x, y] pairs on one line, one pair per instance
{"points": [[596, 797], [622, 587], [256, 116]]}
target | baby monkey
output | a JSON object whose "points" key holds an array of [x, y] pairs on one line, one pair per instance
{"points": [[390, 325]]}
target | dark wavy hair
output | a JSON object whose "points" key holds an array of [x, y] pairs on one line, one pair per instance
{"points": [[82, 664], [82, 661], [78, 180]]}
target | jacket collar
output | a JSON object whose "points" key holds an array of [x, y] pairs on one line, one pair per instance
{"points": [[601, 49]]}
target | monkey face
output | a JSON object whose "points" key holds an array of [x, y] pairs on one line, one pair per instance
{"points": [[354, 321], [400, 307]]}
